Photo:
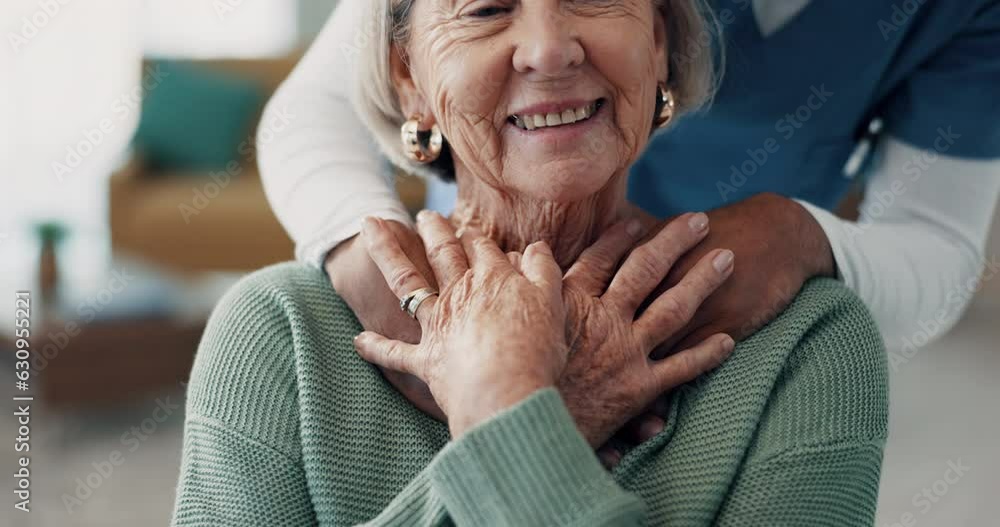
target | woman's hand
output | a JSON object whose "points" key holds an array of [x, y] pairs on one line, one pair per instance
{"points": [[610, 377], [493, 336], [780, 247]]}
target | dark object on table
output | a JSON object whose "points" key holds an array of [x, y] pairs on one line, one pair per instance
{"points": [[49, 234]]}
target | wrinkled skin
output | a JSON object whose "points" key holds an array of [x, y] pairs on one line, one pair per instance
{"points": [[610, 345], [778, 244], [468, 66], [493, 335]]}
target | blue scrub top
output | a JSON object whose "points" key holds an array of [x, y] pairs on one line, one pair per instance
{"points": [[794, 103]]}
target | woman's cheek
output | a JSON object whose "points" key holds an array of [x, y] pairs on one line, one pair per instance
{"points": [[467, 103]]}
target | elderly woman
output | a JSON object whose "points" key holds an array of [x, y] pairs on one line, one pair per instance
{"points": [[537, 322]]}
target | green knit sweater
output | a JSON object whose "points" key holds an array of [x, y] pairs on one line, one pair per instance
{"points": [[286, 425]]}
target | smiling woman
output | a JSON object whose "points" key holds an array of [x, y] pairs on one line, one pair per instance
{"points": [[480, 70], [537, 316], [683, 63]]}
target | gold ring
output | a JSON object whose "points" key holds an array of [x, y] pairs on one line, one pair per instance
{"points": [[411, 302]]}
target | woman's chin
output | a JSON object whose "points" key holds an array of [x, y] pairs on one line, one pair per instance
{"points": [[562, 165], [565, 182]]}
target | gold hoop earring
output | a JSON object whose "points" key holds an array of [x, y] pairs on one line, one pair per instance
{"points": [[413, 141], [664, 106]]}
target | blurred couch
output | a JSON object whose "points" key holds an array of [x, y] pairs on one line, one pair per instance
{"points": [[182, 218], [192, 218]]}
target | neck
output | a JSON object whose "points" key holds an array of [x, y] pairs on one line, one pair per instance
{"points": [[516, 221]]}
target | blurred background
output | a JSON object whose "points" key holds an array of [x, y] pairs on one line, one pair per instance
{"points": [[130, 200]]}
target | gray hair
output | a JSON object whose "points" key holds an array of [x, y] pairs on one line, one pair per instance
{"points": [[692, 30]]}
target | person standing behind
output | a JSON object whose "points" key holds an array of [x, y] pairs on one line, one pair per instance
{"points": [[815, 95]]}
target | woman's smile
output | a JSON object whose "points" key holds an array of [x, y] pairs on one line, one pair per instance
{"points": [[557, 128], [547, 101], [550, 115]]}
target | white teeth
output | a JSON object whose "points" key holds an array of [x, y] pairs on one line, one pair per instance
{"points": [[569, 116]]}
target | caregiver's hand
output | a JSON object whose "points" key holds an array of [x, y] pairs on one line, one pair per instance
{"points": [[610, 377], [359, 282], [493, 336], [370, 298]]}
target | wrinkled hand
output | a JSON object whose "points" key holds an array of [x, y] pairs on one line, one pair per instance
{"points": [[610, 377], [779, 246], [591, 273], [493, 336]]}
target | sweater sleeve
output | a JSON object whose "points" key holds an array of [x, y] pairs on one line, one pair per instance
{"points": [[822, 484], [321, 171], [242, 455], [530, 466], [229, 479], [816, 455], [241, 461], [527, 466]]}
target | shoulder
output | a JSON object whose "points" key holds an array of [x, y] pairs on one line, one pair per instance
{"points": [[290, 283], [245, 372], [287, 299], [274, 311], [833, 384]]}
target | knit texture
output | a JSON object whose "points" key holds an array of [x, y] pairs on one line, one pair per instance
{"points": [[286, 425]]}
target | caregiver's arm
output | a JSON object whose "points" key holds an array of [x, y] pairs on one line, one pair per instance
{"points": [[916, 252], [915, 255], [322, 172], [919, 248]]}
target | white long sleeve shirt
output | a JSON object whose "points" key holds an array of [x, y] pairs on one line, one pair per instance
{"points": [[913, 257]]}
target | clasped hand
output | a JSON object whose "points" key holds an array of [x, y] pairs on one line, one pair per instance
{"points": [[506, 325]]}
